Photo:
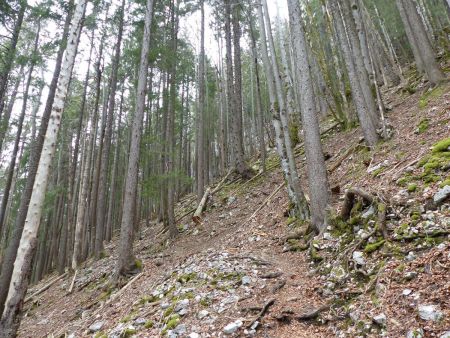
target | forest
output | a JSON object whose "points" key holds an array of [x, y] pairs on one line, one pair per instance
{"points": [[207, 168]]}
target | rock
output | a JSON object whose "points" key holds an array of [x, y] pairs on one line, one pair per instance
{"points": [[415, 333], [430, 312], [246, 280], [180, 329], [358, 257], [441, 246], [183, 312], [337, 273], [411, 256], [140, 321], [370, 212], [232, 327], [410, 275], [327, 236], [181, 305], [445, 335], [165, 306], [380, 319], [441, 195], [231, 199], [97, 326], [202, 314], [406, 292], [194, 335]]}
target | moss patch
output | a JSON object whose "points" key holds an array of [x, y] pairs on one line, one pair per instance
{"points": [[442, 146], [423, 126], [429, 96], [371, 247]]}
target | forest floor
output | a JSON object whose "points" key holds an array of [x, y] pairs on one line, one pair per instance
{"points": [[236, 275]]}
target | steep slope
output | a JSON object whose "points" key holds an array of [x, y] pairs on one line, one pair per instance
{"points": [[236, 273]]}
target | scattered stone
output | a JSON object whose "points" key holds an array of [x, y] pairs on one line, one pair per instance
{"points": [[183, 304], [165, 306], [140, 321], [411, 256], [358, 257], [180, 329], [97, 326], [415, 333], [370, 212], [232, 327], [441, 246], [380, 319], [194, 335], [441, 195], [406, 292], [202, 314], [246, 280], [410, 275], [337, 273], [445, 335], [430, 312]]}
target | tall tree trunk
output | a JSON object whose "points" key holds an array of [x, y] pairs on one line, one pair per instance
{"points": [[22, 267], [11, 54], [11, 251], [201, 110], [126, 262], [4, 122], [419, 41], [317, 172], [103, 178], [367, 125]]}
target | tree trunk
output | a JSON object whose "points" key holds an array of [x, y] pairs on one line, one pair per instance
{"points": [[367, 125], [22, 266], [11, 55], [201, 111], [317, 172], [103, 178], [419, 41], [126, 262], [11, 252]]}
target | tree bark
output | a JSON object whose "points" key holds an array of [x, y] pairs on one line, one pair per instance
{"points": [[126, 262], [11, 251], [22, 266], [317, 172]]}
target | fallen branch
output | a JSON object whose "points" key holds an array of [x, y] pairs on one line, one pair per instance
{"points": [[73, 282], [262, 312], [271, 275], [312, 314], [266, 201], [198, 212], [279, 286], [46, 287], [347, 153]]}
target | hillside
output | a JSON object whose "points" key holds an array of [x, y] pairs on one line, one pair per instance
{"points": [[235, 274]]}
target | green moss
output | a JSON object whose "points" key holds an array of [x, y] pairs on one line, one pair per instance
{"points": [[187, 295], [126, 319], [172, 322], [105, 294], [377, 172], [441, 146], [128, 332], [296, 245], [183, 279], [205, 302], [138, 264], [445, 182], [412, 187], [429, 96], [314, 255], [101, 334], [293, 133], [148, 299], [149, 324], [423, 126], [168, 311], [371, 247]]}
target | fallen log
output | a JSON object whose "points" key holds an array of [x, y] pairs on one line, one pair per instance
{"points": [[198, 212], [73, 282], [349, 201], [46, 287], [313, 313]]}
